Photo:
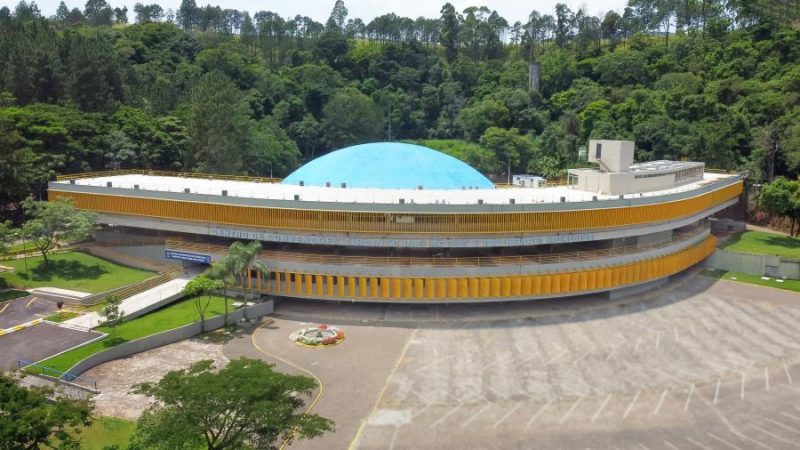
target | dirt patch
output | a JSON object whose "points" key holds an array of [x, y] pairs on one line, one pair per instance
{"points": [[115, 378]]}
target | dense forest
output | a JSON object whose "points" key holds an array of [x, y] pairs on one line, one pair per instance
{"points": [[217, 90]]}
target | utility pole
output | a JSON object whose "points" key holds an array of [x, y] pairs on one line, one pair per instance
{"points": [[25, 250]]}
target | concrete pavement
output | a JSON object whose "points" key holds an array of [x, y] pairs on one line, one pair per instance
{"points": [[136, 302]]}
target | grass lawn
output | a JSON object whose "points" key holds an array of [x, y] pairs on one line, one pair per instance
{"points": [[72, 270], [106, 431], [166, 318], [61, 316], [16, 247], [11, 294], [764, 244], [788, 285]]}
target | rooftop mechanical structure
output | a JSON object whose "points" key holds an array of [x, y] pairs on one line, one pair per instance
{"points": [[390, 222]]}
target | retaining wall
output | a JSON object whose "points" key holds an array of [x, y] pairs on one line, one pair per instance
{"points": [[753, 264], [168, 337]]}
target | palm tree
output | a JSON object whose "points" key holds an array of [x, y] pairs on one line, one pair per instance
{"points": [[241, 259]]}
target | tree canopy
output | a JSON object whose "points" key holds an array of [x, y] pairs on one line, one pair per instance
{"points": [[245, 404], [205, 88], [38, 417]]}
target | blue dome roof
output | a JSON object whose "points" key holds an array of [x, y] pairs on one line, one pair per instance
{"points": [[389, 165]]}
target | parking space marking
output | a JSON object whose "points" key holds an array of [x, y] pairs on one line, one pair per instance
{"points": [[716, 391], [791, 416], [33, 299], [394, 437], [633, 402], [788, 375], [768, 433], [671, 445], [418, 412], [658, 340], [501, 360], [475, 416], [613, 349], [697, 443], [569, 411], [660, 401], [636, 347], [558, 355], [746, 438], [435, 360], [708, 328], [677, 337], [507, 414], [448, 414], [691, 327], [766, 378], [723, 441], [538, 413], [600, 409], [499, 394], [783, 425], [579, 358], [742, 389], [689, 398]]}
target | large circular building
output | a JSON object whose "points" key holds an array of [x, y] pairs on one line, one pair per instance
{"points": [[391, 222]]}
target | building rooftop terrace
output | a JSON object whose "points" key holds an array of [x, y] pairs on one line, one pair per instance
{"points": [[278, 191]]}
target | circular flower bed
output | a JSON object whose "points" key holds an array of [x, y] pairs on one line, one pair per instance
{"points": [[319, 336]]}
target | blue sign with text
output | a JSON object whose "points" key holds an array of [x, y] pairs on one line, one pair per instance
{"points": [[186, 256]]}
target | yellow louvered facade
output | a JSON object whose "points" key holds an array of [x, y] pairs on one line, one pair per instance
{"points": [[466, 289], [413, 223]]}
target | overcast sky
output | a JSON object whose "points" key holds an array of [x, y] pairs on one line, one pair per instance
{"points": [[511, 10]]}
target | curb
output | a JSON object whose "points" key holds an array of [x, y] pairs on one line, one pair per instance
{"points": [[20, 327]]}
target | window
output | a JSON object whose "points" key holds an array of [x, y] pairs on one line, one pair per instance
{"points": [[598, 151]]}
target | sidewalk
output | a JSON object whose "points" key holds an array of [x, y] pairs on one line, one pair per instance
{"points": [[135, 303]]}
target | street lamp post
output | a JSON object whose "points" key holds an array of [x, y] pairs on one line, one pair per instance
{"points": [[25, 250]]}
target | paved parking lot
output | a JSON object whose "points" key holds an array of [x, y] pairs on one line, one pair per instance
{"points": [[708, 365], [25, 309], [711, 365], [39, 342]]}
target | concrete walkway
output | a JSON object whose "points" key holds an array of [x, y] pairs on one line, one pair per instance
{"points": [[57, 292], [135, 303], [751, 227]]}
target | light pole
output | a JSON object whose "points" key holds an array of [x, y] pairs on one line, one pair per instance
{"points": [[25, 250]]}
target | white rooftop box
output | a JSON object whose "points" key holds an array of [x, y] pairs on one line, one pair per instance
{"points": [[611, 156]]}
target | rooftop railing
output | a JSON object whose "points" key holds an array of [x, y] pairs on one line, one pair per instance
{"points": [[166, 173]]}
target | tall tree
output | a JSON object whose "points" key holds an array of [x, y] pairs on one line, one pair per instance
{"points": [[242, 405], [98, 12], [52, 222], [7, 235], [508, 145], [187, 16], [450, 28], [338, 17], [197, 288], [219, 126], [62, 11], [782, 198], [351, 117], [148, 13], [39, 417], [564, 24]]}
